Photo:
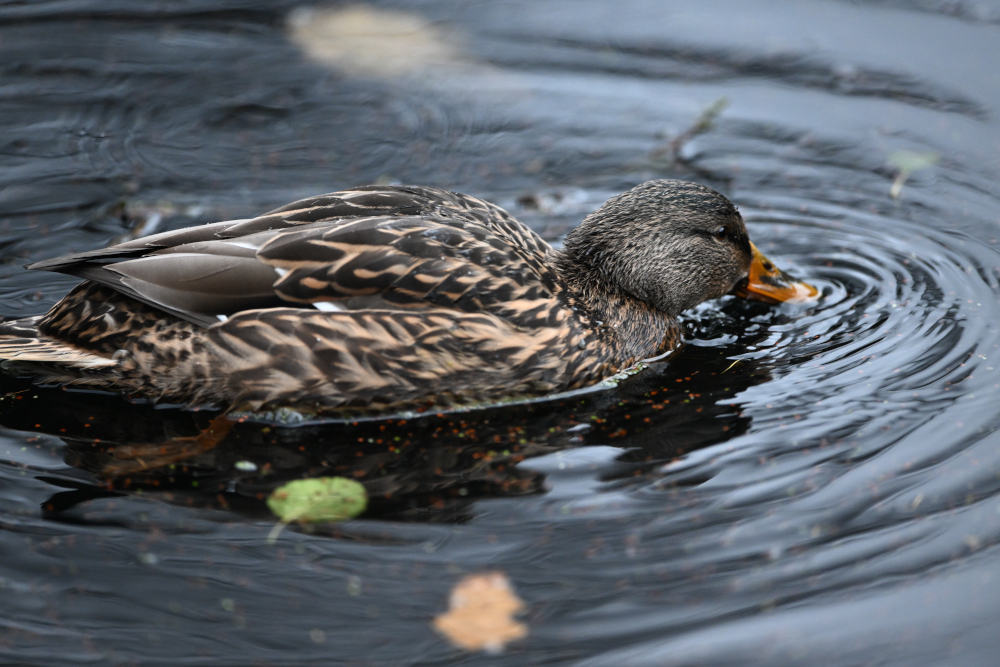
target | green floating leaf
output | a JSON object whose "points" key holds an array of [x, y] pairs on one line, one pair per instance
{"points": [[910, 161], [318, 499]]}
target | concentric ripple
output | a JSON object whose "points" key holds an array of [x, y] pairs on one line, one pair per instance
{"points": [[872, 451], [908, 325]]}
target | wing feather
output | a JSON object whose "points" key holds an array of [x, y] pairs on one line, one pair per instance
{"points": [[369, 247]]}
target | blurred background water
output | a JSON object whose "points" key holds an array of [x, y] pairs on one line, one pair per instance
{"points": [[797, 486]]}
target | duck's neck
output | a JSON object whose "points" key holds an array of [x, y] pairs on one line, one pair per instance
{"points": [[636, 329]]}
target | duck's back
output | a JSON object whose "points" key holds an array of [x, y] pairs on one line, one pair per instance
{"points": [[372, 295]]}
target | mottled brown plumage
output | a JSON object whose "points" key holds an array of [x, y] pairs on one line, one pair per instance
{"points": [[385, 296]]}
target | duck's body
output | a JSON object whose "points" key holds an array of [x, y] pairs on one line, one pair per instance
{"points": [[376, 296]]}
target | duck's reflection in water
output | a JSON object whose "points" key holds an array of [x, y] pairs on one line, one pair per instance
{"points": [[427, 469]]}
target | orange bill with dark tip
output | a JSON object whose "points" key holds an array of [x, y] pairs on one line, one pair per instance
{"points": [[767, 282]]}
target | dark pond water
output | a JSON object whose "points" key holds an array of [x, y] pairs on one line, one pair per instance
{"points": [[799, 485]]}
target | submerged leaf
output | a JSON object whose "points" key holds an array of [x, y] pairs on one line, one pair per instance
{"points": [[318, 499], [480, 617]]}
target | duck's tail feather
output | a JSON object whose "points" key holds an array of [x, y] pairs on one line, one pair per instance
{"points": [[24, 348]]}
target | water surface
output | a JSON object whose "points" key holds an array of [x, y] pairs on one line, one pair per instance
{"points": [[803, 484]]}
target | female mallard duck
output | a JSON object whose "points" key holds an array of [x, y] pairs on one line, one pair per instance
{"points": [[391, 295]]}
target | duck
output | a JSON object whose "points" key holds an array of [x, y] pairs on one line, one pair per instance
{"points": [[387, 295]]}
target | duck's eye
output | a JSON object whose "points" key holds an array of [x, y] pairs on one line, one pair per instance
{"points": [[721, 233]]}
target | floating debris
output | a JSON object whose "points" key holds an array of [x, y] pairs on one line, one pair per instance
{"points": [[908, 162], [318, 499], [672, 151], [480, 614]]}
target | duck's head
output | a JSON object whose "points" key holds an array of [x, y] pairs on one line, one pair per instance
{"points": [[674, 244]]}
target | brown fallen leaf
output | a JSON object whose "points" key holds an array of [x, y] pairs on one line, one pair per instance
{"points": [[480, 617]]}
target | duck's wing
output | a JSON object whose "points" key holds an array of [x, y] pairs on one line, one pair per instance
{"points": [[192, 274], [374, 246], [412, 263]]}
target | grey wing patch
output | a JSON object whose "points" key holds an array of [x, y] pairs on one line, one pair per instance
{"points": [[195, 281], [198, 280], [197, 287], [136, 248]]}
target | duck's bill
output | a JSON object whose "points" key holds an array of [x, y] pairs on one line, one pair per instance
{"points": [[768, 283]]}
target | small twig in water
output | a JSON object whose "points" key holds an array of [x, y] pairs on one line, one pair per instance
{"points": [[730, 366], [908, 162], [703, 124]]}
